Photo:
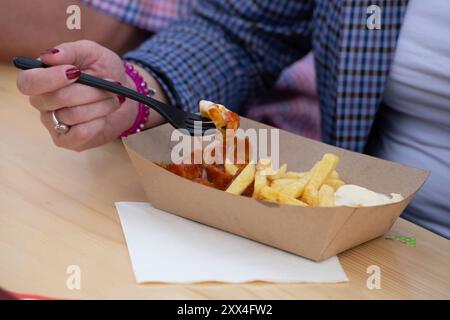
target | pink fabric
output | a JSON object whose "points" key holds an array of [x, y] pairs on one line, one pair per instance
{"points": [[292, 104], [152, 15]]}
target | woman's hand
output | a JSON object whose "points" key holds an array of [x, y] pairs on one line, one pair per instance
{"points": [[95, 116]]}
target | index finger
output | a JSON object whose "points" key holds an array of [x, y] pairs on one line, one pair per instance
{"points": [[44, 80]]}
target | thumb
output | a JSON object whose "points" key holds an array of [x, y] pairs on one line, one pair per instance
{"points": [[81, 53]]}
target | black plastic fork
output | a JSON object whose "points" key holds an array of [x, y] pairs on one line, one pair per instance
{"points": [[179, 119]]}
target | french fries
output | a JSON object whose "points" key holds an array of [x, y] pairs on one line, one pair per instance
{"points": [[260, 182], [281, 183], [315, 187], [293, 175], [294, 189], [320, 173], [326, 196], [272, 195], [243, 180], [231, 168], [279, 173], [263, 167], [334, 175], [335, 183]]}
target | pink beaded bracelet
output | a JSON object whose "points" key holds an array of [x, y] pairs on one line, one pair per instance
{"points": [[143, 110]]}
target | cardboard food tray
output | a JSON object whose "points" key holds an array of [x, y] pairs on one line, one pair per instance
{"points": [[312, 232]]}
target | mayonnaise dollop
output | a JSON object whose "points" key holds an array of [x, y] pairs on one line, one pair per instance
{"points": [[355, 196]]}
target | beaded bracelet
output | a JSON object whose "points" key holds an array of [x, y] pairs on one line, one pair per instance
{"points": [[143, 110]]}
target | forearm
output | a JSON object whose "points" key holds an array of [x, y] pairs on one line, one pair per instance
{"points": [[30, 34]]}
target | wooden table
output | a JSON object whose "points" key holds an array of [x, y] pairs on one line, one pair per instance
{"points": [[57, 209]]}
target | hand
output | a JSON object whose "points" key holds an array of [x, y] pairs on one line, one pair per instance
{"points": [[95, 116]]}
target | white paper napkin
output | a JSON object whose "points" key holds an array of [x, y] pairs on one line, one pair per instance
{"points": [[167, 248]]}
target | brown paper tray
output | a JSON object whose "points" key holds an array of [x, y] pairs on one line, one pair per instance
{"points": [[311, 232]]}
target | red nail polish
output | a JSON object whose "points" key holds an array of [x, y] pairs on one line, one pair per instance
{"points": [[51, 51], [73, 73], [121, 99]]}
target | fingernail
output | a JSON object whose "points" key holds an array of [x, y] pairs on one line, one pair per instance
{"points": [[121, 98], [73, 73], [50, 51]]}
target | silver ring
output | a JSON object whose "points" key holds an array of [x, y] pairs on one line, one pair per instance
{"points": [[60, 127]]}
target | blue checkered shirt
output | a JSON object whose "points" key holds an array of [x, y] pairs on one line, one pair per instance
{"points": [[230, 50]]}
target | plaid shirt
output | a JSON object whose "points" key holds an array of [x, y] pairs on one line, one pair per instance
{"points": [[229, 51], [292, 102]]}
